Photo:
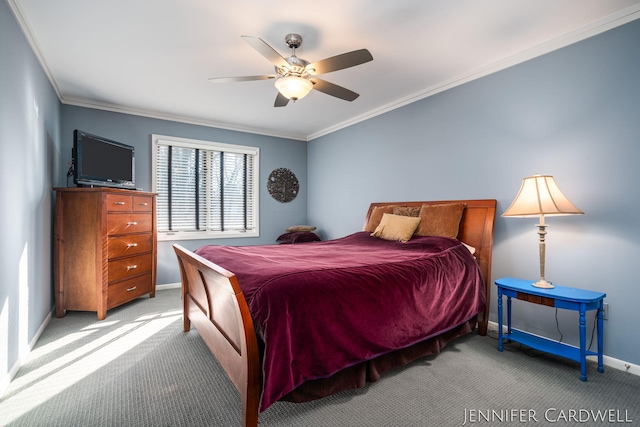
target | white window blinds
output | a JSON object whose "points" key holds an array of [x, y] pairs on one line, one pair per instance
{"points": [[205, 189]]}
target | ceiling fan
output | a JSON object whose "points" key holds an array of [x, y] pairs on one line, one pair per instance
{"points": [[295, 76]]}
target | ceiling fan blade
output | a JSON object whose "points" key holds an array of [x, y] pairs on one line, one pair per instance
{"points": [[333, 89], [281, 100], [241, 79], [267, 51], [340, 62]]}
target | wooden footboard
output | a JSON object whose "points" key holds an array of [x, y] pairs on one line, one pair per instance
{"points": [[215, 305]]}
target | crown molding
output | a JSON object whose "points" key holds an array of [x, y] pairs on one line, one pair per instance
{"points": [[597, 27], [176, 118], [33, 42]]}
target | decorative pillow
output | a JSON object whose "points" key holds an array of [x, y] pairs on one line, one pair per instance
{"points": [[440, 220], [298, 237], [470, 248], [297, 228], [376, 216], [396, 227], [406, 211]]}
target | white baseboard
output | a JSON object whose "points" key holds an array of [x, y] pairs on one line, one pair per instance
{"points": [[609, 361], [621, 365], [168, 286], [8, 377]]}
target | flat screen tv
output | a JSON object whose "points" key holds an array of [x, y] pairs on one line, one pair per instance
{"points": [[101, 162]]}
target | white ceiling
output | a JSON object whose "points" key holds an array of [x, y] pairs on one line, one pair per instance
{"points": [[154, 57]]}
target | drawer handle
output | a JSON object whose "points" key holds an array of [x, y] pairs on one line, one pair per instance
{"points": [[131, 267], [132, 245], [118, 203], [132, 289], [132, 223], [144, 204]]}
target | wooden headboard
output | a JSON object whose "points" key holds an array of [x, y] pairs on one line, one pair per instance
{"points": [[476, 229]]}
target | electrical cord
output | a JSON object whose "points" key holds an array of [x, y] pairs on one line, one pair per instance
{"points": [[70, 172], [558, 326], [593, 330], [516, 346]]}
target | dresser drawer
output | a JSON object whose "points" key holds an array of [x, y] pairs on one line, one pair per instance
{"points": [[128, 290], [142, 203], [128, 267], [123, 223], [119, 203], [122, 246]]}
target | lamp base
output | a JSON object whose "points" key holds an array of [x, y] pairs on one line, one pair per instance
{"points": [[543, 284]]}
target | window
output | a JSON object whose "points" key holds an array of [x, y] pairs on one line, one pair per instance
{"points": [[205, 189]]}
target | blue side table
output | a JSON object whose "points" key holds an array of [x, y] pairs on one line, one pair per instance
{"points": [[561, 297]]}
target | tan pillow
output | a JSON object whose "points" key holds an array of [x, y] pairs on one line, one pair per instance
{"points": [[396, 227], [440, 220], [376, 216]]}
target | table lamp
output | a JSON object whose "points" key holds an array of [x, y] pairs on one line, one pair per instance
{"points": [[539, 195]]}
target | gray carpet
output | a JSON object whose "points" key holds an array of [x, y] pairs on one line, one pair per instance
{"points": [[137, 368]]}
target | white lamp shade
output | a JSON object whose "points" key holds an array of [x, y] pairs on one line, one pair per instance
{"points": [[540, 195], [293, 87]]}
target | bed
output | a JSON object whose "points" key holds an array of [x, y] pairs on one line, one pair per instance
{"points": [[300, 322]]}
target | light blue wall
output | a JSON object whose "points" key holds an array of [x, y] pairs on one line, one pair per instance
{"points": [[29, 153], [275, 217], [574, 114]]}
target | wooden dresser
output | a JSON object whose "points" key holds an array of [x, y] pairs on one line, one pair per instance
{"points": [[104, 248]]}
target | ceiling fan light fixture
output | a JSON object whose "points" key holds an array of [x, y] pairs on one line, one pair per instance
{"points": [[293, 87]]}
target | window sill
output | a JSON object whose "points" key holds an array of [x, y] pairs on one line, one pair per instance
{"points": [[204, 235]]}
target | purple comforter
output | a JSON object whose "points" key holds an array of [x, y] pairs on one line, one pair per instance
{"points": [[323, 306]]}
